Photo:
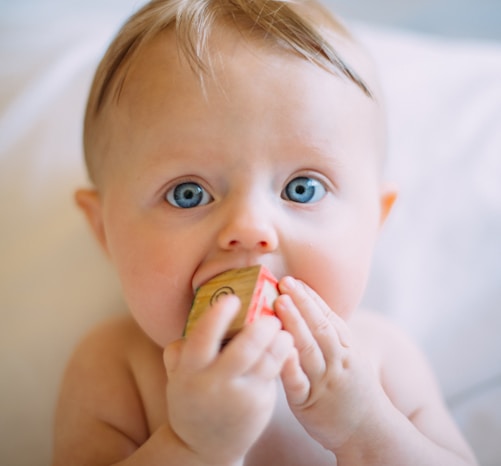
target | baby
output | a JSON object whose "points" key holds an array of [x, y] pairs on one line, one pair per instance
{"points": [[223, 134]]}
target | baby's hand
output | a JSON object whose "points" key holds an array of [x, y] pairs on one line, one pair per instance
{"points": [[330, 387], [219, 402]]}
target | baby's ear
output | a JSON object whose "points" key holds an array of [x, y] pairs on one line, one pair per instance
{"points": [[388, 197], [88, 200]]}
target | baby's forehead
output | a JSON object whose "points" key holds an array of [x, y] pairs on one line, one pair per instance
{"points": [[247, 78], [307, 31], [160, 68], [327, 45], [163, 58]]}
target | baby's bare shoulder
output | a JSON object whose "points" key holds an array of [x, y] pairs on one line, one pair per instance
{"points": [[408, 380], [115, 338], [100, 395], [403, 369], [379, 335], [113, 346]]}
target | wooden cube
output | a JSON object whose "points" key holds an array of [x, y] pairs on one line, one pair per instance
{"points": [[255, 286]]}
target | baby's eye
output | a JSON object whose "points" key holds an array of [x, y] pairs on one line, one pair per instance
{"points": [[303, 190], [188, 195]]}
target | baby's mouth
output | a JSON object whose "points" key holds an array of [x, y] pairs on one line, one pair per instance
{"points": [[255, 286]]}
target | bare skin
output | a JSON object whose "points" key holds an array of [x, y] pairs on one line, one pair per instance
{"points": [[321, 382], [123, 426]]}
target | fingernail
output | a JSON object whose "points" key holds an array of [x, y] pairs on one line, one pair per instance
{"points": [[288, 283]]}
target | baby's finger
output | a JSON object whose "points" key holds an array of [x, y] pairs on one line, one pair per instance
{"points": [[172, 354], [316, 315], [272, 360], [246, 348], [338, 322], [310, 354], [203, 344], [296, 384]]}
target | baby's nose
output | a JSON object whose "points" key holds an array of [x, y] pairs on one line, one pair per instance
{"points": [[249, 229]]}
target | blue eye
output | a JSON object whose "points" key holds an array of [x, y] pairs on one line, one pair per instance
{"points": [[303, 190], [188, 195]]}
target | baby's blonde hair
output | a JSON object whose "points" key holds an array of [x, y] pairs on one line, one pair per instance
{"points": [[295, 25]]}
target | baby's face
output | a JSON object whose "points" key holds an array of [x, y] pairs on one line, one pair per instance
{"points": [[275, 163]]}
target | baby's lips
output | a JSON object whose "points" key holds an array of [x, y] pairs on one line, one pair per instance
{"points": [[256, 287]]}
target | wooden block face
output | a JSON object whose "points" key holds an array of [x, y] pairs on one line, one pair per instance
{"points": [[255, 286]]}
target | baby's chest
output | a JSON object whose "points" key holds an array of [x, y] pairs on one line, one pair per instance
{"points": [[286, 443], [289, 453]]}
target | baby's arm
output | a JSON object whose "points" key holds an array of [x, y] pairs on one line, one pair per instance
{"points": [[212, 413], [389, 415]]}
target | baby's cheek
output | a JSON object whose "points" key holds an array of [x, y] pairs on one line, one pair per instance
{"points": [[338, 279], [345, 295], [161, 311]]}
